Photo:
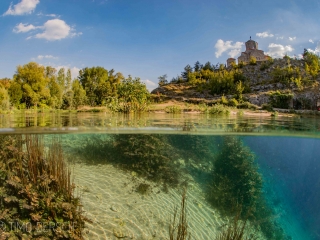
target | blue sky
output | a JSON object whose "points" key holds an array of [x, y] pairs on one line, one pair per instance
{"points": [[149, 38]]}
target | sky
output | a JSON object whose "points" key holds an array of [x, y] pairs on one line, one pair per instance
{"points": [[150, 38]]}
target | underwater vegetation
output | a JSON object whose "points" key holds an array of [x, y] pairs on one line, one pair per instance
{"points": [[36, 193], [236, 178], [149, 155], [236, 181], [192, 146], [144, 155], [178, 227], [236, 230]]}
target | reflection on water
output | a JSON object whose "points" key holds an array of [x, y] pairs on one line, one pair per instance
{"points": [[160, 123], [130, 183]]}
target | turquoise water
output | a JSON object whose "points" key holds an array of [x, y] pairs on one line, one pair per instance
{"points": [[130, 171]]}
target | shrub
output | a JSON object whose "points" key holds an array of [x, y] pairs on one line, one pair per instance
{"points": [[280, 99], [233, 102], [173, 109], [267, 107], [241, 64], [253, 61], [247, 105], [219, 109], [224, 100]]}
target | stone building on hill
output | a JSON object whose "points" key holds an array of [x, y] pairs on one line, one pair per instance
{"points": [[251, 51]]}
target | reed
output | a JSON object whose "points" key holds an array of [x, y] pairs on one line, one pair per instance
{"points": [[48, 165], [236, 230], [178, 229]]}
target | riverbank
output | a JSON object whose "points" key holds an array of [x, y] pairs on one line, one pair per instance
{"points": [[164, 107]]}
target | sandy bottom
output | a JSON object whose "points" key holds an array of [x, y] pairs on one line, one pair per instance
{"points": [[118, 211]]}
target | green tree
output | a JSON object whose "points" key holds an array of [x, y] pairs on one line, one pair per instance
{"points": [[34, 84], [15, 93], [56, 93], [79, 94], [162, 80], [67, 86], [99, 84], [312, 63], [62, 79], [4, 99], [208, 66], [5, 82], [187, 70], [197, 66], [133, 95], [239, 91]]}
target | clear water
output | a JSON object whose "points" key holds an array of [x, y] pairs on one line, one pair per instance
{"points": [[124, 196]]}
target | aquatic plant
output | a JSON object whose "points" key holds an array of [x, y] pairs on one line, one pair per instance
{"points": [[235, 178], [236, 181], [178, 229], [146, 155], [236, 230], [36, 199], [143, 188], [193, 147], [149, 155]]}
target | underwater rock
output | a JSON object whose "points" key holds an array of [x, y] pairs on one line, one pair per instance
{"points": [[112, 208]]}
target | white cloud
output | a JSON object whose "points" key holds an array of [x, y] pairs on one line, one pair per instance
{"points": [[48, 15], [150, 85], [23, 7], [292, 38], [234, 52], [279, 37], [278, 50], [222, 47], [40, 57], [310, 40], [22, 28], [316, 50], [54, 29], [264, 35]]}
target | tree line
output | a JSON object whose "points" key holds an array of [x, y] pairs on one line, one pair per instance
{"points": [[37, 86]]}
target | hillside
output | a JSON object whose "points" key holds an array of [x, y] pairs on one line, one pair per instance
{"points": [[283, 83]]}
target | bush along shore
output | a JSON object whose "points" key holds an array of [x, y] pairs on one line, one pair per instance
{"points": [[37, 199]]}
